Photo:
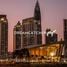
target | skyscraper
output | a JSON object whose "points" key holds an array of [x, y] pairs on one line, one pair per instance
{"points": [[17, 36], [28, 27], [65, 36], [50, 36], [3, 36], [37, 23], [65, 30], [32, 26]]}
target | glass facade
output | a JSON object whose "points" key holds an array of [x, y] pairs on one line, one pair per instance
{"points": [[3, 36]]}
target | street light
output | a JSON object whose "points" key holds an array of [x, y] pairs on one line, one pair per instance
{"points": [[52, 54]]}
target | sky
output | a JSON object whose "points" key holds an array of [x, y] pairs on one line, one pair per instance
{"points": [[52, 13]]}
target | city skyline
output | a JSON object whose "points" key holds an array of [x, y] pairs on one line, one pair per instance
{"points": [[52, 14]]}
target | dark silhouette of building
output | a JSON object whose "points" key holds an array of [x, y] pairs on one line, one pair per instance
{"points": [[32, 26], [3, 36], [21, 53], [37, 13], [65, 30], [50, 36], [37, 23], [28, 27], [65, 36], [17, 36]]}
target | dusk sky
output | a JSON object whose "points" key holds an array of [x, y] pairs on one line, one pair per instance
{"points": [[52, 13]]}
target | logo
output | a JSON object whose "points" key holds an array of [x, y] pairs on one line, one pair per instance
{"points": [[51, 33]]}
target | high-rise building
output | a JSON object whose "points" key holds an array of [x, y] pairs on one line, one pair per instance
{"points": [[50, 36], [3, 36], [65, 30], [17, 36], [65, 36], [28, 27], [37, 23], [32, 27]]}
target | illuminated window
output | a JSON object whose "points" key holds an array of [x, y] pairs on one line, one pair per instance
{"points": [[2, 19]]}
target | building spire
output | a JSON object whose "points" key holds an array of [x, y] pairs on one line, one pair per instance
{"points": [[37, 2], [37, 14], [37, 5]]}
